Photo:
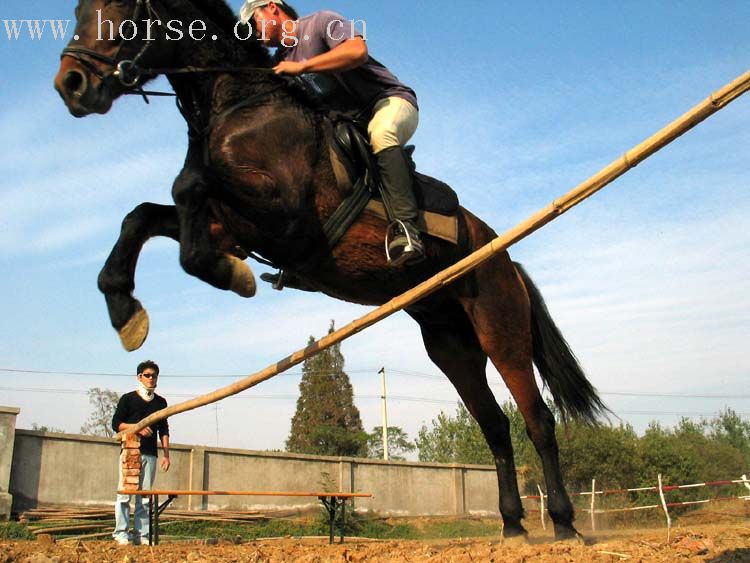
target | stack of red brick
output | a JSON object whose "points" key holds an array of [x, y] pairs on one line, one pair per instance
{"points": [[131, 462]]}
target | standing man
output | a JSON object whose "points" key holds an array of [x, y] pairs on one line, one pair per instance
{"points": [[324, 42], [131, 409]]}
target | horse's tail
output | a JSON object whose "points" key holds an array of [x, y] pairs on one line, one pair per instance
{"points": [[560, 371]]}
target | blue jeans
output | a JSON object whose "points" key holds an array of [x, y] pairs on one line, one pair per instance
{"points": [[122, 503]]}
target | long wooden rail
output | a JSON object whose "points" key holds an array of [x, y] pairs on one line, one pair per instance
{"points": [[333, 503], [614, 170], [167, 492]]}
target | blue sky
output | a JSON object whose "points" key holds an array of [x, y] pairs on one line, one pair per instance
{"points": [[519, 103]]}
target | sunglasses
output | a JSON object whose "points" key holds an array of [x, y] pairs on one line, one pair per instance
{"points": [[149, 375]]}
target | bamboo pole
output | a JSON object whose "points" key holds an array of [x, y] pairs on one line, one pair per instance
{"points": [[51, 529], [614, 170]]}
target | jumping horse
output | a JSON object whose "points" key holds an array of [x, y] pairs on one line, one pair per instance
{"points": [[258, 179]]}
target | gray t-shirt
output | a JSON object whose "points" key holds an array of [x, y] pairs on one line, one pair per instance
{"points": [[320, 32]]}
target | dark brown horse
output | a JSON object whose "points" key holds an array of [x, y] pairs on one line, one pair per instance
{"points": [[258, 178]]}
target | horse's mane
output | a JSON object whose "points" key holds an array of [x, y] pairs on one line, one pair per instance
{"points": [[219, 12], [249, 52]]}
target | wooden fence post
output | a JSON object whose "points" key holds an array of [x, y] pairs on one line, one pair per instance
{"points": [[593, 503], [541, 507], [666, 510]]}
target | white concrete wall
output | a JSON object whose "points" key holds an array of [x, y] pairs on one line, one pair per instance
{"points": [[49, 468], [7, 433]]}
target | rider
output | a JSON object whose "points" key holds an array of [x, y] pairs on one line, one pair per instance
{"points": [[324, 42]]}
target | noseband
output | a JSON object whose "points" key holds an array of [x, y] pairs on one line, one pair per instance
{"points": [[126, 71]]}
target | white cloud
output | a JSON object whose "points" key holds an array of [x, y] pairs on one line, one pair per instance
{"points": [[65, 234]]}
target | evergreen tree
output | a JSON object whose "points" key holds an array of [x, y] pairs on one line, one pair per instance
{"points": [[326, 421]]}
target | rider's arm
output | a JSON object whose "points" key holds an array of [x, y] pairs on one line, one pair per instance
{"points": [[345, 56]]}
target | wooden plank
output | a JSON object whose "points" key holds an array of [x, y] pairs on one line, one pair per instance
{"points": [[244, 493]]}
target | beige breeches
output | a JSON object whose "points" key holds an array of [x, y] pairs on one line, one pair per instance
{"points": [[394, 121]]}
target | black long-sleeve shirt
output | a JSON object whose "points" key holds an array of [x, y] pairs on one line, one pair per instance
{"points": [[131, 408]]}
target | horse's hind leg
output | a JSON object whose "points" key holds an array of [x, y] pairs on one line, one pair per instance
{"points": [[117, 278], [501, 317], [199, 254], [452, 345]]}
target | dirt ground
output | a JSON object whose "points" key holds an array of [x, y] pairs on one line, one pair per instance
{"points": [[715, 543]]}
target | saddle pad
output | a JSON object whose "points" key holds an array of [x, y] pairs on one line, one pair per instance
{"points": [[435, 224]]}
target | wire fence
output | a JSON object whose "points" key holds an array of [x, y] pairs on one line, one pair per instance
{"points": [[603, 501]]}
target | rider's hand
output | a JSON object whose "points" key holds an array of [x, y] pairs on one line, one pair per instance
{"points": [[289, 67], [146, 432]]}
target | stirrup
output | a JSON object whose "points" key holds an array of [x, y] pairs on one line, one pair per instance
{"points": [[276, 280], [403, 238]]}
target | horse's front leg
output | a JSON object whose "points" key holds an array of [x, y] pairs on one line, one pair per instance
{"points": [[117, 278], [200, 255]]}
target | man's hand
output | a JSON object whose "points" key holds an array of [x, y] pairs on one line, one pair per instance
{"points": [[146, 432], [165, 464], [290, 68]]}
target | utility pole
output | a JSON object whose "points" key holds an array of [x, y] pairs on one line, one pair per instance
{"points": [[385, 415], [216, 413]]}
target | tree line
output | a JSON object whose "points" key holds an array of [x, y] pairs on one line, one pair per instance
{"points": [[710, 449]]}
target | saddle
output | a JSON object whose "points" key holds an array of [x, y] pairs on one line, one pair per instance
{"points": [[353, 162]]}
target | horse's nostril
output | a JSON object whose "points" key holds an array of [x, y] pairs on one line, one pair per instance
{"points": [[74, 82]]}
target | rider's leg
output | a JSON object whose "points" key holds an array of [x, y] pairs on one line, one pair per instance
{"points": [[393, 123]]}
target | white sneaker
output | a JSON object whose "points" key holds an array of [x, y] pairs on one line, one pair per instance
{"points": [[122, 541]]}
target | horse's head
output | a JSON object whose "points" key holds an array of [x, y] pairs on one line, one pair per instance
{"points": [[112, 40]]}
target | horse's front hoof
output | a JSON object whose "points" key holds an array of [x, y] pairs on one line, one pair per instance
{"points": [[133, 334], [515, 536], [243, 280], [516, 540], [569, 535]]}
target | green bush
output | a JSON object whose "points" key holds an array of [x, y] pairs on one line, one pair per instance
{"points": [[248, 531], [14, 531]]}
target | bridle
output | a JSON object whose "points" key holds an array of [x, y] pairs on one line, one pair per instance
{"points": [[129, 73], [126, 71]]}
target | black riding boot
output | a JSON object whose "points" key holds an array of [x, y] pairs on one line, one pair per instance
{"points": [[402, 241]]}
